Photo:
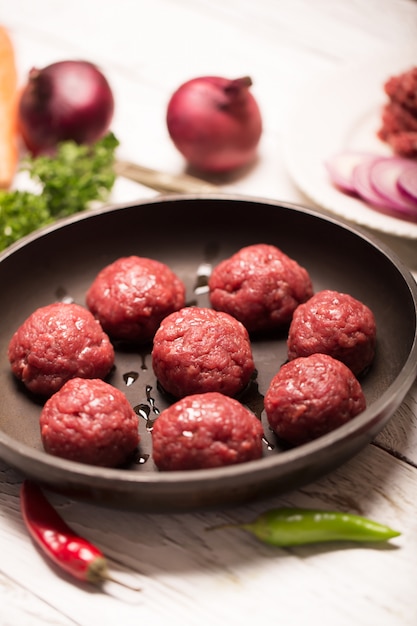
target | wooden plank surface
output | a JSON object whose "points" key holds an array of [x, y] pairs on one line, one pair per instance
{"points": [[188, 575]]}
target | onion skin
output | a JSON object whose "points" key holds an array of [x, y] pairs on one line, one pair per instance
{"points": [[67, 100], [215, 123]]}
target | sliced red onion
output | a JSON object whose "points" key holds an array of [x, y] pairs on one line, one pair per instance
{"points": [[363, 186], [407, 180], [340, 167], [384, 176], [388, 184]]}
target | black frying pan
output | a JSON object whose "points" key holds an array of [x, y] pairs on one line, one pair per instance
{"points": [[184, 232]]}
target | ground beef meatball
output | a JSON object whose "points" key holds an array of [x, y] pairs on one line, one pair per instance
{"points": [[58, 342], [260, 286], [205, 430], [312, 396], [91, 422], [197, 350], [131, 296], [399, 114], [337, 324]]}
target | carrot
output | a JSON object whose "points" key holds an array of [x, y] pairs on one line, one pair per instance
{"points": [[8, 110]]}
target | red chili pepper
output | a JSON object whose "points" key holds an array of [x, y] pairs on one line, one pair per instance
{"points": [[57, 540]]}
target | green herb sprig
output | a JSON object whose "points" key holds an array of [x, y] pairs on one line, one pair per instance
{"points": [[69, 182]]}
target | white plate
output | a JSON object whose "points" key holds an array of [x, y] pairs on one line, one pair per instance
{"points": [[343, 112]]}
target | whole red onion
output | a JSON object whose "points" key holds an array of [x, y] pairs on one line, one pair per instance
{"points": [[215, 122], [67, 100]]}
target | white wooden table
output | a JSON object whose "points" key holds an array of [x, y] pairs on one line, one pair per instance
{"points": [[189, 576]]}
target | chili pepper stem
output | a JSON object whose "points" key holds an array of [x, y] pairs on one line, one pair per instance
{"points": [[98, 573], [111, 579], [230, 525]]}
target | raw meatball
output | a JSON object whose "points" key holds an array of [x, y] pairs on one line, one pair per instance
{"points": [[312, 396], [58, 342], [206, 430], [131, 296], [197, 350], [337, 324], [260, 286], [91, 422]]}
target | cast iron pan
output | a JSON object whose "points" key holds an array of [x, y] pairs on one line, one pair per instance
{"points": [[185, 232]]}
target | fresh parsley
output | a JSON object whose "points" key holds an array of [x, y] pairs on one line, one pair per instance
{"points": [[69, 182]]}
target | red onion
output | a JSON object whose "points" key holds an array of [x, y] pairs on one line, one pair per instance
{"points": [[407, 181], [341, 166], [215, 123], [384, 177], [362, 183], [386, 183], [67, 100]]}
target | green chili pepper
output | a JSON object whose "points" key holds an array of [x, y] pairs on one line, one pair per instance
{"points": [[294, 526]]}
